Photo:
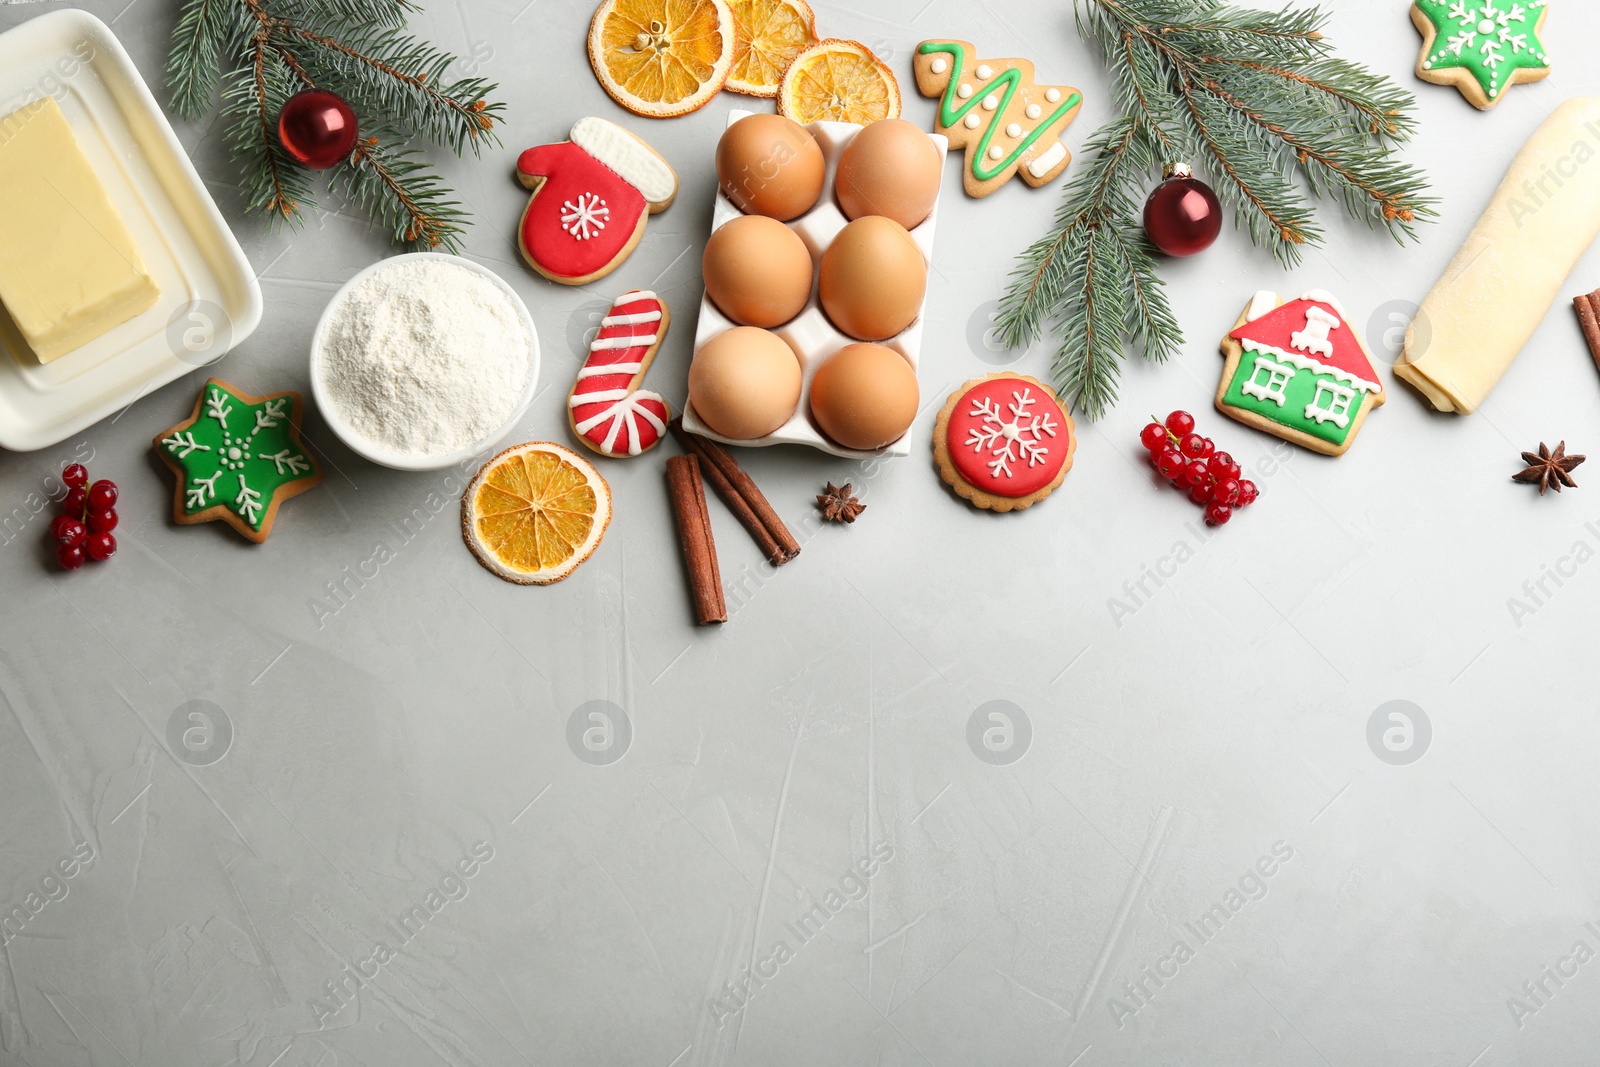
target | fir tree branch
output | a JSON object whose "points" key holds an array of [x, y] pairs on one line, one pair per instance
{"points": [[195, 64], [451, 114], [1276, 215], [1259, 100], [1035, 291], [255, 94], [1356, 173], [1383, 107], [349, 14], [403, 193], [1150, 322], [397, 84]]}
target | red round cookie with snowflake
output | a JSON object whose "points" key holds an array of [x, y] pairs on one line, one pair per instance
{"points": [[1004, 442]]}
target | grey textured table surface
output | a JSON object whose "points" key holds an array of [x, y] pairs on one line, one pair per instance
{"points": [[1188, 710]]}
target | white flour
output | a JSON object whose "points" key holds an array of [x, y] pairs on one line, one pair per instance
{"points": [[425, 358]]}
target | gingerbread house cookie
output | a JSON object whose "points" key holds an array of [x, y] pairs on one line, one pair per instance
{"points": [[1298, 371]]}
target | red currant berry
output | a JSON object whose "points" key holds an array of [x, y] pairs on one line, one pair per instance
{"points": [[68, 530], [1153, 437], [1194, 446], [1208, 448], [1226, 492], [1194, 474], [1200, 494], [1170, 463], [1223, 466], [100, 547], [1247, 493], [103, 521], [103, 495], [70, 557], [1181, 423], [75, 476], [1218, 515], [75, 503]]}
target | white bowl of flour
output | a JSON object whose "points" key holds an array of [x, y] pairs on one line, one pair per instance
{"points": [[423, 361]]}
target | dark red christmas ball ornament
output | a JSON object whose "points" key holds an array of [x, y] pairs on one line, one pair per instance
{"points": [[1183, 217], [318, 129]]}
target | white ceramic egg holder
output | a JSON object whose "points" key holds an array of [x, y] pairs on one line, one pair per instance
{"points": [[812, 336]]}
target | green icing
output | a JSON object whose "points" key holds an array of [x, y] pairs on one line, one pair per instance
{"points": [[952, 109], [1299, 393], [1490, 39], [238, 454]]}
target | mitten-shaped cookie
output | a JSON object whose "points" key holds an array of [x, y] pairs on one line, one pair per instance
{"points": [[592, 195]]}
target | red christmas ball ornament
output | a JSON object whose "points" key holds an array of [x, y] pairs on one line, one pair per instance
{"points": [[318, 129], [1183, 217]]}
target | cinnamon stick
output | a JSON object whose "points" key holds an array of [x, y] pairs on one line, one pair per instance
{"points": [[694, 531], [1589, 318], [741, 494]]}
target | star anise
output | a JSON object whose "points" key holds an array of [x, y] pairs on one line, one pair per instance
{"points": [[838, 504], [1549, 469]]}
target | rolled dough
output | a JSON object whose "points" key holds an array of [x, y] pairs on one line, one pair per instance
{"points": [[1505, 279]]}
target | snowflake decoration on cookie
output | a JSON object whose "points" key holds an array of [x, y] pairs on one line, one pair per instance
{"points": [[237, 458], [1490, 39], [585, 217], [1014, 437]]}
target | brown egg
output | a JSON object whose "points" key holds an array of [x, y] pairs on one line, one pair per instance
{"points": [[890, 169], [770, 165], [745, 383], [757, 271], [873, 279], [865, 396]]}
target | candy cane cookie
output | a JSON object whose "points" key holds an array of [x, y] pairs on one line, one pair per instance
{"points": [[608, 411]]}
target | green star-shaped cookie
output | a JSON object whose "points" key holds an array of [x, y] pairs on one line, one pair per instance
{"points": [[237, 458], [1483, 47]]}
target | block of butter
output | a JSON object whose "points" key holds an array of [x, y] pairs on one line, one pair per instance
{"points": [[69, 270]]}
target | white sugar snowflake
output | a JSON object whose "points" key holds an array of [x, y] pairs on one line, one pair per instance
{"points": [[1019, 437], [586, 217], [1488, 22]]}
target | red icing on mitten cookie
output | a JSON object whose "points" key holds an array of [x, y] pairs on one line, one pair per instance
{"points": [[591, 197]]}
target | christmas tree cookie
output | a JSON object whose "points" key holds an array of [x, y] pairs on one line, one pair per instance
{"points": [[1482, 47], [237, 458], [1298, 371], [993, 109]]}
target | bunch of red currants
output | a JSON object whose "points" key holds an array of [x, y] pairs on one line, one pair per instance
{"points": [[88, 515], [1192, 463]]}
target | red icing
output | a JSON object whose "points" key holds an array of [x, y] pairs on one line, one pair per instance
{"points": [[570, 173], [634, 303], [1043, 439], [1276, 329]]}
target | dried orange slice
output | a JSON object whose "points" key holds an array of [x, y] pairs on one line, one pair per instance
{"points": [[662, 58], [535, 512], [768, 34], [839, 81]]}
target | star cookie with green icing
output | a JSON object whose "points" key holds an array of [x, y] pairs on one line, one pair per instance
{"points": [[237, 458], [1482, 47]]}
